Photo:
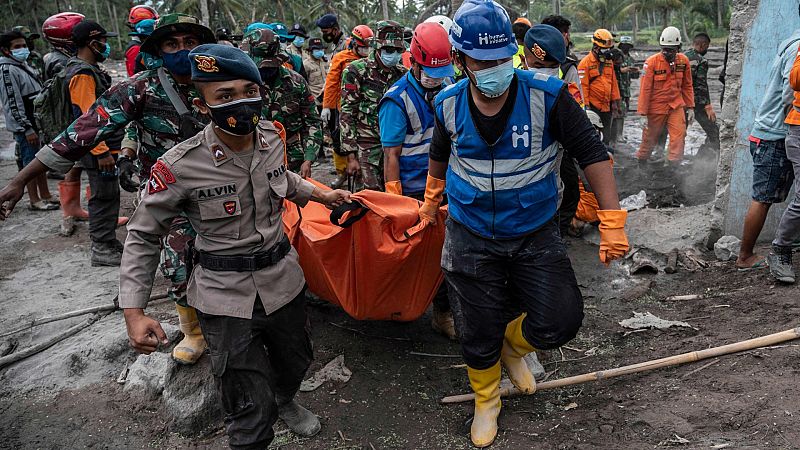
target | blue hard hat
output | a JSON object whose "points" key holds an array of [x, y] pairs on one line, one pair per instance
{"points": [[255, 26], [482, 30], [281, 30]]}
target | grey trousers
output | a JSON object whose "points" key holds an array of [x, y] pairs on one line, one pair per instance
{"points": [[789, 227]]}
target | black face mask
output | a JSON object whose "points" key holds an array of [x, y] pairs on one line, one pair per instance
{"points": [[268, 73], [239, 117], [329, 37], [669, 55]]}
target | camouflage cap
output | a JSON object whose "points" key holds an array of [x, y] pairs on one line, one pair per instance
{"points": [[169, 24], [264, 48], [388, 33], [26, 32]]}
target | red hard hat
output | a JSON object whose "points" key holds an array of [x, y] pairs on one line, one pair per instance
{"points": [[57, 29], [141, 12], [362, 34], [431, 49]]}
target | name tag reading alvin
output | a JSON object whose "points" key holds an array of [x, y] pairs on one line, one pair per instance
{"points": [[206, 193]]}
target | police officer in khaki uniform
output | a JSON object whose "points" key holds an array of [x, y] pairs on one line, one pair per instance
{"points": [[230, 181]]}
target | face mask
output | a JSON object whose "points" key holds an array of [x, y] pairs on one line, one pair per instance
{"points": [[362, 51], [494, 81], [669, 55], [299, 41], [318, 53], [177, 63], [327, 37], [390, 59], [430, 82], [550, 71], [20, 54], [105, 53], [268, 73], [239, 117]]}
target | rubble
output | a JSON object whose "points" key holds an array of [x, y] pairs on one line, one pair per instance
{"points": [[727, 248]]}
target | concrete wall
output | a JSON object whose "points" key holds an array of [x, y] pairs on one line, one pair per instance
{"points": [[757, 27]]}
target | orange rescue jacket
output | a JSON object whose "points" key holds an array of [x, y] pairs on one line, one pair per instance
{"points": [[665, 86], [333, 82], [793, 118], [599, 89]]}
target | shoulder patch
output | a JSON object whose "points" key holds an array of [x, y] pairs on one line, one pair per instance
{"points": [[161, 168], [155, 183], [218, 153]]}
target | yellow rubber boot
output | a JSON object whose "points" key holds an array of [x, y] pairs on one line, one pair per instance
{"points": [[515, 347], [486, 385], [191, 348]]}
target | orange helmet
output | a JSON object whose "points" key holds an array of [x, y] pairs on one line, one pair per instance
{"points": [[362, 34], [603, 38], [141, 12]]}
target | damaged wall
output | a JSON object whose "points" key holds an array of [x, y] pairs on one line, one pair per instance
{"points": [[757, 28]]}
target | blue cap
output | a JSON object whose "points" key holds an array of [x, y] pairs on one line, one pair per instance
{"points": [[144, 28], [280, 30], [327, 21], [217, 62], [482, 30], [255, 26], [546, 42]]}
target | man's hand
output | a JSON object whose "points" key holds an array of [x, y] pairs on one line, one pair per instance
{"points": [[144, 333], [126, 173], [434, 194], [613, 241], [353, 167], [106, 163], [712, 116], [9, 197], [325, 115], [689, 116], [305, 169], [334, 198], [33, 139]]}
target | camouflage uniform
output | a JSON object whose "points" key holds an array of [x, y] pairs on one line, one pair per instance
{"points": [[364, 82], [702, 98], [141, 100], [36, 61], [625, 80]]}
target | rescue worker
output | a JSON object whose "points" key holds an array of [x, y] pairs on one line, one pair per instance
{"points": [[358, 48], [598, 79], [666, 98], [496, 140], [405, 118], [331, 32], [141, 21], [165, 117], [316, 65], [546, 53], [300, 37], [628, 70], [286, 100], [703, 109], [35, 59], [247, 284], [363, 84], [520, 27], [57, 30]]}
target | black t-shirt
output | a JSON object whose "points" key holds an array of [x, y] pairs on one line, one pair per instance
{"points": [[568, 124]]}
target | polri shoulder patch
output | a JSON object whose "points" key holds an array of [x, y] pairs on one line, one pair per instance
{"points": [[163, 170], [218, 153], [155, 183]]}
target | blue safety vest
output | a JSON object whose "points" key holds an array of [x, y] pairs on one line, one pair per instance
{"points": [[509, 189], [419, 130]]}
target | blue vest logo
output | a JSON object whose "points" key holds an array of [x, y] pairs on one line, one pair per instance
{"points": [[517, 136]]}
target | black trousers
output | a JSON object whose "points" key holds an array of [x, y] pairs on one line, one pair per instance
{"points": [[104, 202], [571, 195], [607, 119], [712, 131], [490, 281], [258, 364]]}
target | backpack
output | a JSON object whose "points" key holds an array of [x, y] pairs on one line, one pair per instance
{"points": [[52, 107]]}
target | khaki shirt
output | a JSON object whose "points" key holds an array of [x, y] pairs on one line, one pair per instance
{"points": [[236, 210], [316, 70]]}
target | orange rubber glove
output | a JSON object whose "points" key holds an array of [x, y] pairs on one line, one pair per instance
{"points": [[394, 187], [712, 116], [434, 192], [613, 241]]}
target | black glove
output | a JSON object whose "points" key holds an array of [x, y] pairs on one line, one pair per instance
{"points": [[127, 171]]}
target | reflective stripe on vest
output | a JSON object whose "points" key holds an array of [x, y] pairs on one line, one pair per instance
{"points": [[510, 189]]}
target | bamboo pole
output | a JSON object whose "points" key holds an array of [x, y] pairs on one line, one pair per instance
{"points": [[750, 344]]}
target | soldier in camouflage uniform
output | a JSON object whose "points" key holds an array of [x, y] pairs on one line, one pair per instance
{"points": [[628, 71], [143, 99], [364, 82], [287, 99], [703, 110]]}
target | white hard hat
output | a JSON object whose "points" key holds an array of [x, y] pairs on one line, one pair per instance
{"points": [[594, 118], [444, 21], [671, 36]]}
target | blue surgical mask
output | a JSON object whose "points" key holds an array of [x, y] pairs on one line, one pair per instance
{"points": [[494, 81], [21, 54], [106, 51], [177, 63], [390, 59], [318, 53], [299, 41]]}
